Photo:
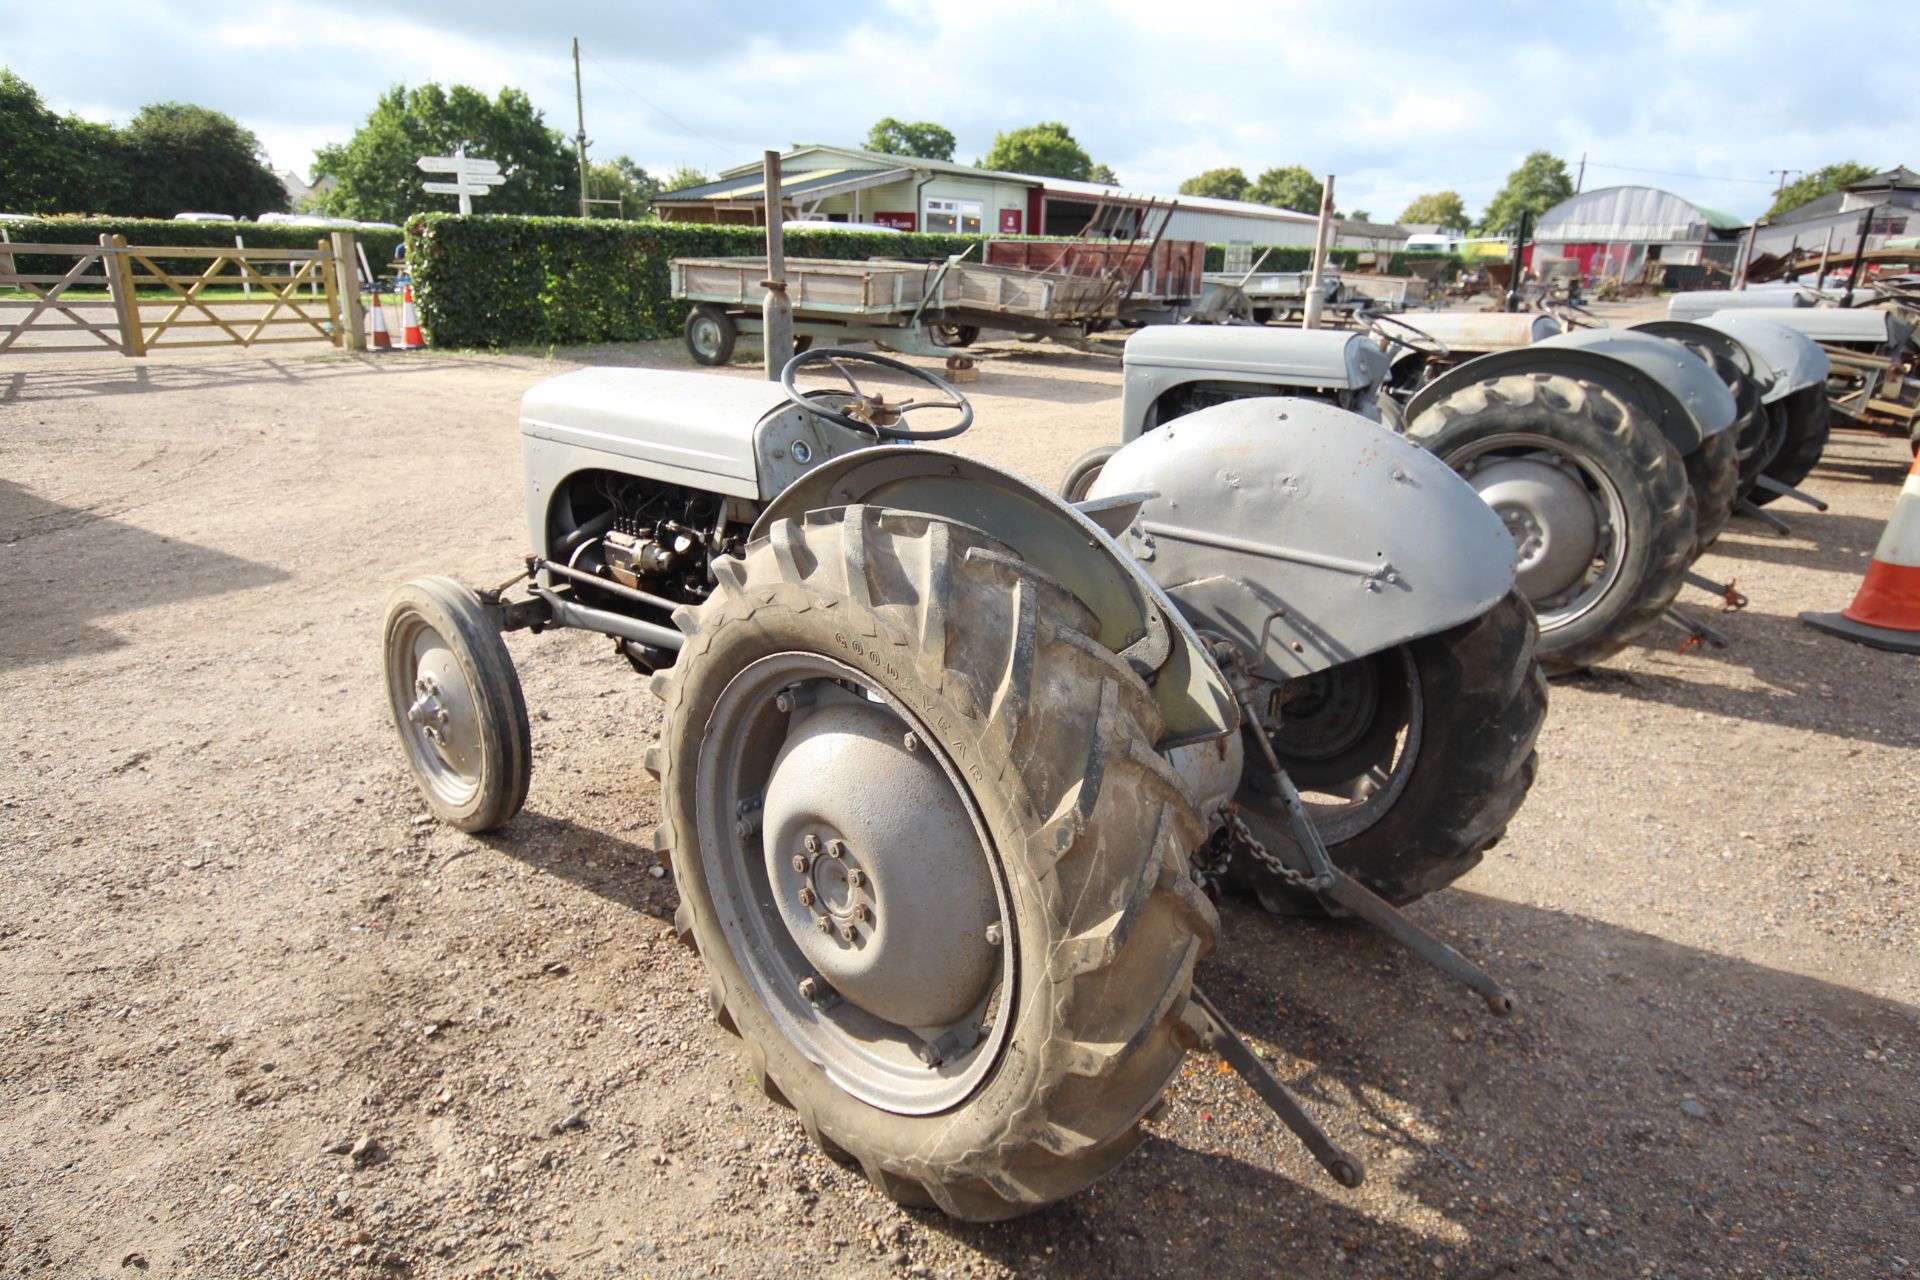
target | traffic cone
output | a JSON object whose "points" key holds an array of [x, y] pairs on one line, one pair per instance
{"points": [[1885, 612], [382, 341], [410, 338]]}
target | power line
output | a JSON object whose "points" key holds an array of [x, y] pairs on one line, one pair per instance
{"points": [[683, 126], [1668, 173]]}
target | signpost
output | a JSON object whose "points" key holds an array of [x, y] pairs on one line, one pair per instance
{"points": [[472, 176]]}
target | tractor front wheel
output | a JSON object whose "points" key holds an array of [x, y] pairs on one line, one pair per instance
{"points": [[1084, 471], [937, 874]]}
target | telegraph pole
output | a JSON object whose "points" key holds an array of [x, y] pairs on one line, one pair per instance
{"points": [[1581, 181], [580, 114], [1782, 184]]}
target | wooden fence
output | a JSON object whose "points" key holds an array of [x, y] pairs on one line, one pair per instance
{"points": [[152, 304]]}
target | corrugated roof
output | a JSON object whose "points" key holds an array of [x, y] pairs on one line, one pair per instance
{"points": [[751, 185]]}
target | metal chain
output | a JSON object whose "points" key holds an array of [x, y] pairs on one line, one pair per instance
{"points": [[1240, 836]]}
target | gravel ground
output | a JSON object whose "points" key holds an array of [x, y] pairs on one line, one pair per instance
{"points": [[260, 1016]]}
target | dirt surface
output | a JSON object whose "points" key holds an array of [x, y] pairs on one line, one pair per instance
{"points": [[260, 1016]]}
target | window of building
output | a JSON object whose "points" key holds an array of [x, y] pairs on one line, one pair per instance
{"points": [[963, 216]]}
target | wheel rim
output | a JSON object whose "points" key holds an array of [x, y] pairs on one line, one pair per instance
{"points": [[705, 333], [1566, 515], [434, 708], [854, 882], [1350, 737]]}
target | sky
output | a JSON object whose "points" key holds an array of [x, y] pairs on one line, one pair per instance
{"points": [[1700, 97]]}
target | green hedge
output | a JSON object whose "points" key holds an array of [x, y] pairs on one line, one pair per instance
{"points": [[503, 281], [163, 231]]}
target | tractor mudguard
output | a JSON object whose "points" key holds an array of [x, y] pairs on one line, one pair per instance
{"points": [[1137, 620], [1784, 359], [1306, 534], [1662, 379]]}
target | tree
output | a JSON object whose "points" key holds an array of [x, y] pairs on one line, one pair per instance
{"points": [[621, 179], [682, 177], [1044, 150], [1219, 184], [55, 164], [1820, 182], [1540, 183], [183, 158], [923, 138], [1437, 208], [379, 181], [1360, 215], [1289, 188], [1104, 174]]}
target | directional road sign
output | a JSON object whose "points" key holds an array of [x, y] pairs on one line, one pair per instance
{"points": [[472, 176]]}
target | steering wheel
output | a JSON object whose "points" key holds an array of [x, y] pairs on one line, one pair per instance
{"points": [[856, 410], [1379, 325]]}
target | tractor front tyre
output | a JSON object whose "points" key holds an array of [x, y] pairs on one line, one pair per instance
{"points": [[1084, 471], [711, 334], [937, 874], [1411, 762], [1596, 499], [1713, 473], [1809, 418], [457, 704]]}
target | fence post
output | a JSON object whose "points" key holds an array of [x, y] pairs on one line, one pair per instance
{"points": [[118, 269], [344, 283]]}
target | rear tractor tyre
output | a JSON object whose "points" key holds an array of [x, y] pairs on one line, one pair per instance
{"points": [[1809, 421], [1411, 761], [457, 704], [1597, 501], [936, 871], [1084, 471], [711, 334], [1713, 473]]}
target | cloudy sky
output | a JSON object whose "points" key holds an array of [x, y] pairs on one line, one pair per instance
{"points": [[1702, 97]]}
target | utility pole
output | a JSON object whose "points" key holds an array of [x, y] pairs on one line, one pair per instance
{"points": [[1316, 290], [1581, 180], [1782, 184], [580, 114]]}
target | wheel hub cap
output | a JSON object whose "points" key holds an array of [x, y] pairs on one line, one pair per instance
{"points": [[1556, 532], [443, 713], [876, 869]]}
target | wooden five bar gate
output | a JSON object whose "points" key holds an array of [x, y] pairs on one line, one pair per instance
{"points": [[153, 305]]}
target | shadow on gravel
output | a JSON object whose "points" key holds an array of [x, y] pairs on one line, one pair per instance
{"points": [[57, 592], [1654, 1109], [90, 376], [613, 868]]}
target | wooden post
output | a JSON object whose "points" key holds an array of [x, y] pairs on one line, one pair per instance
{"points": [[118, 270], [1746, 255], [343, 282], [1820, 281], [1859, 256], [776, 308], [1316, 299]]}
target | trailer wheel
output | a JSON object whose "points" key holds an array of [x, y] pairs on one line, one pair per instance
{"points": [[711, 334], [937, 874], [1411, 761], [1713, 473], [1084, 471], [1596, 498], [956, 335], [1809, 421], [457, 705]]}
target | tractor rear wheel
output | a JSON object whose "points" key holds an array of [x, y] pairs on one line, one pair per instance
{"points": [[1713, 473], [1809, 421], [1411, 762], [937, 874], [1596, 499], [1084, 471]]}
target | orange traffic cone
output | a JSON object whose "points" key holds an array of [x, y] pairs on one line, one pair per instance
{"points": [[410, 337], [1885, 612], [382, 341]]}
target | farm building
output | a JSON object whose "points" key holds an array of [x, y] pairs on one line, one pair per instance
{"points": [[1616, 231], [1888, 203], [845, 184]]}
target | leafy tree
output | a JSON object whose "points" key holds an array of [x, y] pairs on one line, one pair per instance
{"points": [[621, 179], [684, 176], [1540, 183], [1103, 173], [183, 158], [380, 182], [1290, 188], [1820, 182], [1220, 184], [55, 164], [922, 138], [1437, 208], [1045, 150], [1359, 215]]}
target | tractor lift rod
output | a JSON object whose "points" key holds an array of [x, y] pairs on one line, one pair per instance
{"points": [[1788, 491], [1331, 882], [1748, 507], [1206, 1027], [1730, 597]]}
